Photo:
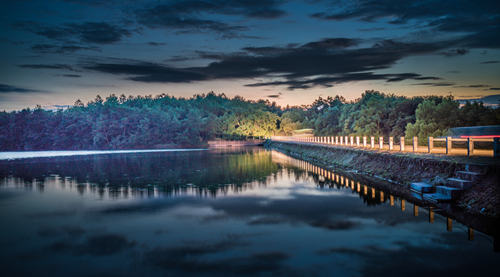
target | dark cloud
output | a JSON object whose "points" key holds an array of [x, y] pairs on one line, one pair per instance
{"points": [[441, 84], [188, 16], [454, 52], [153, 43], [325, 62], [474, 86], [273, 96], [342, 78], [187, 259], [335, 224], [86, 32], [48, 66], [149, 72], [71, 75], [410, 259], [61, 49], [494, 88], [4, 88], [490, 62], [100, 245], [479, 19]]}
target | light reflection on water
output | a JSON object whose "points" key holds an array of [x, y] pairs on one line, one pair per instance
{"points": [[246, 211]]}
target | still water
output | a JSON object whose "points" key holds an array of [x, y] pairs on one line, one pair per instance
{"points": [[246, 211]]}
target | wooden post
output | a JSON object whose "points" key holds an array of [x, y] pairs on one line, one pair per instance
{"points": [[357, 141], [415, 144], [496, 147], [431, 215], [352, 141], [372, 142], [403, 206], [364, 141], [402, 144], [430, 144], [448, 145], [391, 200], [415, 210], [346, 140], [470, 147], [336, 140], [449, 224], [391, 143], [381, 142], [341, 140], [470, 233]]}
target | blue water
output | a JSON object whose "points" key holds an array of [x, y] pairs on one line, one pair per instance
{"points": [[238, 212]]}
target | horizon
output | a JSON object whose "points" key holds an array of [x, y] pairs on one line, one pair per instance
{"points": [[56, 107], [290, 52]]}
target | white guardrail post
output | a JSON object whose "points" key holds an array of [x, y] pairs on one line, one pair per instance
{"points": [[448, 145]]}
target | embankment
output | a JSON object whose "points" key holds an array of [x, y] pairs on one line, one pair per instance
{"points": [[395, 171]]}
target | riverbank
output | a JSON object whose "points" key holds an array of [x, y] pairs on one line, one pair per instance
{"points": [[395, 171]]}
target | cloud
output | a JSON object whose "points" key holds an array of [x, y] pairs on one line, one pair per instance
{"points": [[61, 49], [474, 86], [189, 16], [410, 259], [86, 32], [189, 259], [494, 88], [153, 43], [324, 62], [454, 52], [490, 62], [100, 245], [4, 88], [48, 66], [71, 75], [273, 96], [149, 72], [475, 20], [441, 84]]}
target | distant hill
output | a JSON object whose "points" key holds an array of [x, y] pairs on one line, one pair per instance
{"points": [[490, 101]]}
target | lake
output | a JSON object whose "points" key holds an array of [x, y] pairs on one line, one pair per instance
{"points": [[243, 211]]}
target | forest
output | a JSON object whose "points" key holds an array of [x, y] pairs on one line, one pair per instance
{"points": [[163, 121]]}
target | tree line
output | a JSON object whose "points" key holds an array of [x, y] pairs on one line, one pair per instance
{"points": [[379, 114], [165, 121]]}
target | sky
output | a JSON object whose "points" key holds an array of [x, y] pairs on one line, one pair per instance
{"points": [[54, 52]]}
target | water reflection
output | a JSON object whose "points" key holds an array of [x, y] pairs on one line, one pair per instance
{"points": [[232, 213], [145, 174]]}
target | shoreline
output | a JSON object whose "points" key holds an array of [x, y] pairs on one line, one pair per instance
{"points": [[396, 172], [19, 155]]}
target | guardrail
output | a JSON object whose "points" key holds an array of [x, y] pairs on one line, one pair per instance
{"points": [[451, 147]]}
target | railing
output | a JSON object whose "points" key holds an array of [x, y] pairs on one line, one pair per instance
{"points": [[332, 179], [450, 143]]}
